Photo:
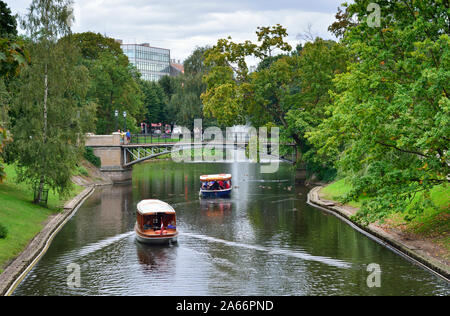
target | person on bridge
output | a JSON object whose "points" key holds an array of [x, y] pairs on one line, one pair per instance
{"points": [[128, 134]]}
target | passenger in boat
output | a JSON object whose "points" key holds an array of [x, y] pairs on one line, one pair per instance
{"points": [[221, 185], [148, 224], [204, 186], [215, 186], [227, 184], [171, 225]]}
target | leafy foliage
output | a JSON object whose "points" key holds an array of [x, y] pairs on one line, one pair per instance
{"points": [[48, 105], [390, 117], [114, 87], [154, 101], [8, 23], [4, 139], [91, 157], [185, 104], [93, 45], [287, 90], [13, 57], [114, 82]]}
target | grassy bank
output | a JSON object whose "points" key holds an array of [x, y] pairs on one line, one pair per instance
{"points": [[22, 218], [433, 224]]}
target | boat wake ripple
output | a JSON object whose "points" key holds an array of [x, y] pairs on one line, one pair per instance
{"points": [[275, 251], [94, 247]]}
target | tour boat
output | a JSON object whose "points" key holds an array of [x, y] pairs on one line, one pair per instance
{"points": [[216, 185], [155, 222]]}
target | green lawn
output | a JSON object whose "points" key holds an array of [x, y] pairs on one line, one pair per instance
{"points": [[440, 195], [336, 190], [22, 218]]}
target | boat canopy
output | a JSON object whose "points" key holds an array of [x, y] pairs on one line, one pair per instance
{"points": [[151, 207], [215, 177]]}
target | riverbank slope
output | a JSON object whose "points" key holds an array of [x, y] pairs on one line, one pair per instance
{"points": [[426, 238], [30, 226]]}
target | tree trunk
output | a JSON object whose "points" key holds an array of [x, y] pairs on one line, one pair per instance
{"points": [[42, 181], [298, 147]]}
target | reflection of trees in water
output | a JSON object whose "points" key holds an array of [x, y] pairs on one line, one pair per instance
{"points": [[216, 208], [106, 213]]}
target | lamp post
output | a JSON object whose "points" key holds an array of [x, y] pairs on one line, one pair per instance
{"points": [[125, 120], [116, 114]]}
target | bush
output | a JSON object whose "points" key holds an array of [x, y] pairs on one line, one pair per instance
{"points": [[82, 171], [3, 232], [93, 159]]}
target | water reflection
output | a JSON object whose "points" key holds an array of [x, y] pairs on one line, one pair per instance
{"points": [[216, 208], [156, 259]]}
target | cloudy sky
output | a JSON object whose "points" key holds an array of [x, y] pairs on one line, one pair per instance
{"points": [[181, 25]]}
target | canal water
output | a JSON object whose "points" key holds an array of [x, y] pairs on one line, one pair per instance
{"points": [[264, 240]]}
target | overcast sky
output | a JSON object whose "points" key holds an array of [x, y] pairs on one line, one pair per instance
{"points": [[181, 25]]}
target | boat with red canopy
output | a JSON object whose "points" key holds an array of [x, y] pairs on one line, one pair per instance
{"points": [[155, 222], [216, 185]]}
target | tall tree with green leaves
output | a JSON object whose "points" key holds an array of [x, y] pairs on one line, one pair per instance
{"points": [[49, 101], [92, 45], [390, 120], [289, 90], [8, 23], [114, 82], [115, 86], [185, 104], [155, 102], [13, 58]]}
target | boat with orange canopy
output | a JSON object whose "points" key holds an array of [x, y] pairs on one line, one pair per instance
{"points": [[155, 222], [216, 185]]}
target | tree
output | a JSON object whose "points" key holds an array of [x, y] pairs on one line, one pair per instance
{"points": [[390, 123], [114, 86], [289, 91], [154, 101], [13, 58], [92, 45], [49, 101], [114, 82], [228, 96], [185, 104], [8, 23], [168, 84]]}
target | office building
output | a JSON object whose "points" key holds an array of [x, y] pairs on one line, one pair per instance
{"points": [[152, 62]]}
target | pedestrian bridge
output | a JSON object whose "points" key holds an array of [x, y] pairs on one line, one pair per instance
{"points": [[117, 156]]}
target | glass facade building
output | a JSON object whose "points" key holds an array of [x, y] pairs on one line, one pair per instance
{"points": [[152, 62]]}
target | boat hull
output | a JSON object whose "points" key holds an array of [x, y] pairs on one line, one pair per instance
{"points": [[216, 194], [156, 240]]}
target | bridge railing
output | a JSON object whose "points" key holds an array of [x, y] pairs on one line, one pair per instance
{"points": [[239, 137], [151, 139]]}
